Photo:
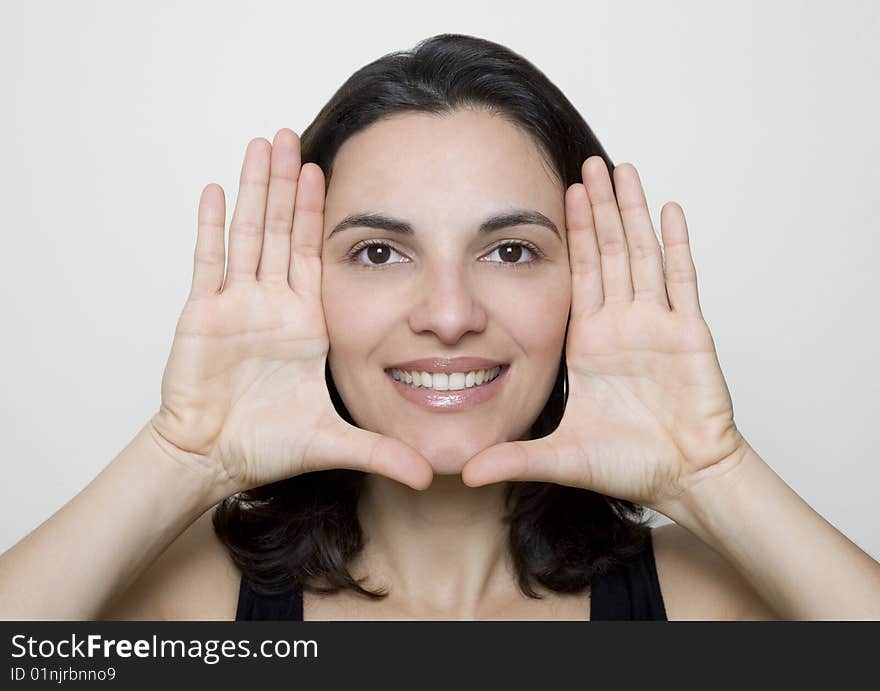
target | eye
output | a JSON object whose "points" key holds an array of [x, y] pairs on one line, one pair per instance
{"points": [[377, 254], [510, 252]]}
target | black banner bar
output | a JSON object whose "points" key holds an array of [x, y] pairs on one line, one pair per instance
{"points": [[246, 655]]}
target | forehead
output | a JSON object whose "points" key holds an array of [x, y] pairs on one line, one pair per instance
{"points": [[466, 162]]}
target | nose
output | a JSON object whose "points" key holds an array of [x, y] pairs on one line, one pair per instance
{"points": [[448, 306]]}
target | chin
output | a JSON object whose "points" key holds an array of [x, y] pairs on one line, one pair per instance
{"points": [[445, 467], [447, 459]]}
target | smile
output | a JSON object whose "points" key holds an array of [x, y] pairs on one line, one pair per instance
{"points": [[448, 391], [446, 381]]}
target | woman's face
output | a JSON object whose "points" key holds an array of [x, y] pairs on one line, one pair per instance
{"points": [[448, 288]]}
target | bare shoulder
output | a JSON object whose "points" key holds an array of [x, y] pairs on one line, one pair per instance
{"points": [[697, 583], [193, 580]]}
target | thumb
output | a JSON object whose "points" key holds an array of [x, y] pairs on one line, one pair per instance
{"points": [[343, 445], [535, 460]]}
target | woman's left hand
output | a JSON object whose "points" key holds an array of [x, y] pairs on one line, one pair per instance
{"points": [[648, 412]]}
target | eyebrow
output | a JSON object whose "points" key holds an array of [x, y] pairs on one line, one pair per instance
{"points": [[506, 219]]}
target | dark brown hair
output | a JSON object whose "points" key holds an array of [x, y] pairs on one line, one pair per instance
{"points": [[306, 528]]}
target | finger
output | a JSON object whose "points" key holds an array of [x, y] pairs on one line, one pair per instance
{"points": [[583, 252], [616, 280], [681, 275], [308, 232], [210, 254], [645, 258], [536, 460], [284, 171], [246, 228], [347, 446]]}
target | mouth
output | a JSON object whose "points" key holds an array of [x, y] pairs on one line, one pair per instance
{"points": [[448, 390]]}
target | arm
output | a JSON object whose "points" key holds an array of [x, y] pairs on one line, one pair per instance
{"points": [[244, 402], [698, 584], [194, 579], [649, 416], [792, 557], [97, 544]]}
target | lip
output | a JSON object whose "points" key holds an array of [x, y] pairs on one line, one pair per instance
{"points": [[449, 400], [447, 365]]}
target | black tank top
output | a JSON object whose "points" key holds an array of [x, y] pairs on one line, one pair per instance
{"points": [[628, 592]]}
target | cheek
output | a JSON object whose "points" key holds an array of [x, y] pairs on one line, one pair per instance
{"points": [[358, 315], [356, 320], [536, 312]]}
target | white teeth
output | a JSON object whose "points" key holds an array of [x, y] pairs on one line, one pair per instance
{"points": [[442, 381]]}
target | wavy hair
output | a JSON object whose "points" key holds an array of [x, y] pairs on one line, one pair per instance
{"points": [[305, 528]]}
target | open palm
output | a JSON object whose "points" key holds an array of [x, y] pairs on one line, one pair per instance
{"points": [[244, 393], [648, 410]]}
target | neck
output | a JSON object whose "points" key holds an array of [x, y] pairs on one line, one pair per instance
{"points": [[444, 548]]}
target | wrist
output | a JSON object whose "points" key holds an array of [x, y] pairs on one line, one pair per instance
{"points": [[206, 483], [708, 489]]}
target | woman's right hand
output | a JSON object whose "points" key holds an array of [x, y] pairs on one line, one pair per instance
{"points": [[243, 393]]}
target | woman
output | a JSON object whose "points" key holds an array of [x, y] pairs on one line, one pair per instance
{"points": [[447, 367]]}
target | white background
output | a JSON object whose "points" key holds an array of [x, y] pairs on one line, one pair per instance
{"points": [[759, 118]]}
